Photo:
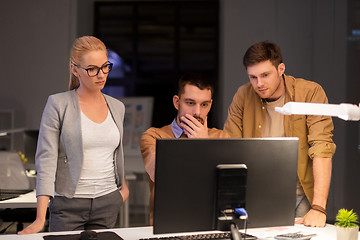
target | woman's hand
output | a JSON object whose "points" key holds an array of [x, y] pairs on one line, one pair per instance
{"points": [[124, 191], [35, 227], [38, 224]]}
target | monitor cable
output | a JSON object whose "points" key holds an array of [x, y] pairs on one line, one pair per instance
{"points": [[242, 213], [235, 234], [230, 215]]}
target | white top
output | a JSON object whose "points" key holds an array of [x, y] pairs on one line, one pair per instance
{"points": [[99, 143]]}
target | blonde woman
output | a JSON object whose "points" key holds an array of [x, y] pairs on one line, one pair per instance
{"points": [[79, 159]]}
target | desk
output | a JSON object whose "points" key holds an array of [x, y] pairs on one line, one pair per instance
{"points": [[326, 233], [23, 201], [27, 200]]}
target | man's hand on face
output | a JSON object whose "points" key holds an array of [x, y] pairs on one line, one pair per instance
{"points": [[193, 128]]}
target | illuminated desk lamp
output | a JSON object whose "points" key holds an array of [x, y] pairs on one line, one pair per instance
{"points": [[345, 111]]}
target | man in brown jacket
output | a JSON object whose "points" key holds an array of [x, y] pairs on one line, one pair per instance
{"points": [[192, 102], [252, 114]]}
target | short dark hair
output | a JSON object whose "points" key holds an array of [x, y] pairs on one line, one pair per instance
{"points": [[262, 51], [196, 79]]}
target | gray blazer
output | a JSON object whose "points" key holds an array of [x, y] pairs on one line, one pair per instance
{"points": [[59, 154]]}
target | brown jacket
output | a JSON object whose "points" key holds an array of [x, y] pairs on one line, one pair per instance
{"points": [[246, 117], [147, 147]]}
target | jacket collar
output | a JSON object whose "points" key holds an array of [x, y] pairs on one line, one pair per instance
{"points": [[75, 99], [289, 88]]}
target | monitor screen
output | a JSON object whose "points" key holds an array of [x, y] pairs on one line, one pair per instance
{"points": [[30, 138], [185, 181]]}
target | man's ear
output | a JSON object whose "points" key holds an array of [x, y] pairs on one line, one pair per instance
{"points": [[176, 100], [281, 69]]}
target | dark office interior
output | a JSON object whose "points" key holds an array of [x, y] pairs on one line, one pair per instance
{"points": [[158, 41]]}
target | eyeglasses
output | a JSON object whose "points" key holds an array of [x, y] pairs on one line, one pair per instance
{"points": [[94, 71]]}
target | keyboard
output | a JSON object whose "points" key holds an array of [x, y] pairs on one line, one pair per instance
{"points": [[9, 194], [206, 236]]}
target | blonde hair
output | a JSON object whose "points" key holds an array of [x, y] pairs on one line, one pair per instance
{"points": [[82, 46]]}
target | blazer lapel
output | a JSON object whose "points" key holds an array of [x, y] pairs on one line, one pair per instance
{"points": [[115, 113]]}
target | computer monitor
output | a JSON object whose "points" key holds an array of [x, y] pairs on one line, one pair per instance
{"points": [[30, 138], [185, 181]]}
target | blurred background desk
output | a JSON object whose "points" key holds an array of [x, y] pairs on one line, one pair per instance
{"points": [[21, 209], [23, 201]]}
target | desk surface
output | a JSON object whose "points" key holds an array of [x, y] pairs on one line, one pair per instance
{"points": [[326, 233], [23, 201]]}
